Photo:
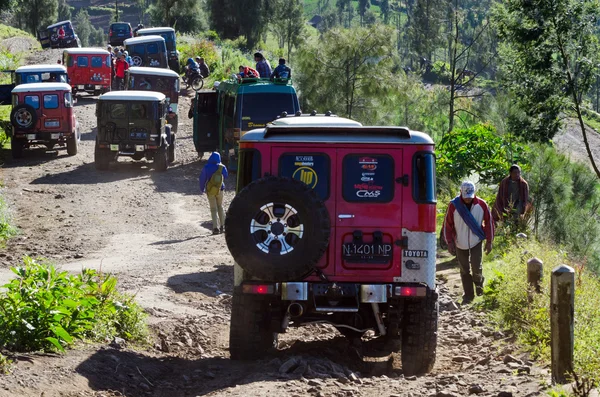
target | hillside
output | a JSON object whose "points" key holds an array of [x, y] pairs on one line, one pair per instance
{"points": [[102, 12]]}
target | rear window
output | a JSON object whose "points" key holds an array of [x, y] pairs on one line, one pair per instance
{"points": [[310, 168], [152, 48], [368, 178], [117, 110], [82, 62], [424, 189], [139, 49], [264, 107], [97, 62], [33, 78], [120, 26], [138, 111], [33, 100], [51, 101]]}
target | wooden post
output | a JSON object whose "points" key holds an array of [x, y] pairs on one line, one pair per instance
{"points": [[535, 268], [562, 304]]}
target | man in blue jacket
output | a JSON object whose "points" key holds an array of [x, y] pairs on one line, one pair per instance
{"points": [[211, 182]]}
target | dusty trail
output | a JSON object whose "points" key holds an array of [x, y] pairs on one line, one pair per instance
{"points": [[152, 231]]}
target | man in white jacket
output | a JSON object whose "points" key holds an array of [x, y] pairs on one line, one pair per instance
{"points": [[468, 222]]}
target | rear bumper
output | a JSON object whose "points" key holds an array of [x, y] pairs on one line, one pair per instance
{"points": [[42, 136]]}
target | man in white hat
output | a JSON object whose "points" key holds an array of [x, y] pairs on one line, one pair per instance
{"points": [[468, 222]]}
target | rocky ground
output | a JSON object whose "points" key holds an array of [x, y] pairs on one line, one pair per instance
{"points": [[152, 230]]}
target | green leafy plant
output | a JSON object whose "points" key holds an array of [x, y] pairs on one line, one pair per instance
{"points": [[479, 150], [46, 309]]}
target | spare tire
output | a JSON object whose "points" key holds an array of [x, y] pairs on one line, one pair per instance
{"points": [[277, 229], [23, 116]]}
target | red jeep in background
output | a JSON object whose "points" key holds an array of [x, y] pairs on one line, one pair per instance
{"points": [[42, 114], [335, 222], [89, 69]]}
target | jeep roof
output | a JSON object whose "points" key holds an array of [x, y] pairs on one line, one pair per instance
{"points": [[86, 51], [155, 30], [153, 71], [53, 67], [37, 87], [57, 24], [141, 40], [328, 129], [131, 96]]}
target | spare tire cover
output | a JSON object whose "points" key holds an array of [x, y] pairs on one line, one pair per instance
{"points": [[277, 229]]}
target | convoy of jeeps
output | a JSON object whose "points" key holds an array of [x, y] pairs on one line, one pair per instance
{"points": [[333, 222]]}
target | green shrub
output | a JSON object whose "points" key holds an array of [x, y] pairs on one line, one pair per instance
{"points": [[46, 309], [507, 296], [6, 229], [478, 150]]}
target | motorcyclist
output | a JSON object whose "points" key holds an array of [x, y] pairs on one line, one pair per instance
{"points": [[191, 68]]}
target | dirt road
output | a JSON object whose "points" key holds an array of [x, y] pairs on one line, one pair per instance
{"points": [[152, 230]]}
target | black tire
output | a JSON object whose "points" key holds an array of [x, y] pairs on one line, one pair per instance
{"points": [[102, 158], [197, 83], [23, 117], [161, 159], [250, 337], [73, 144], [419, 334], [290, 246], [171, 154], [16, 148]]}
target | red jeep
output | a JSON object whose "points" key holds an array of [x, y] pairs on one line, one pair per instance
{"points": [[335, 222], [42, 114], [89, 69]]}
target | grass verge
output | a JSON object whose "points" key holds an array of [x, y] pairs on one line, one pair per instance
{"points": [[511, 304], [46, 309]]}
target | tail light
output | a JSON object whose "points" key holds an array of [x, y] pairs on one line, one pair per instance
{"points": [[258, 289], [410, 291]]}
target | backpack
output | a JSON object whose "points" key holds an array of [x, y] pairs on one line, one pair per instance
{"points": [[213, 186], [284, 73]]}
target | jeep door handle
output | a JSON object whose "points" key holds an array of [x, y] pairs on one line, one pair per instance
{"points": [[346, 216]]}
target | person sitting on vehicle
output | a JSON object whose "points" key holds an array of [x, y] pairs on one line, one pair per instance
{"points": [[247, 72], [120, 67], [282, 71], [140, 26], [262, 65], [204, 71]]}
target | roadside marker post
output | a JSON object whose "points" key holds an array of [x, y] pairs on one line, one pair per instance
{"points": [[562, 313]]}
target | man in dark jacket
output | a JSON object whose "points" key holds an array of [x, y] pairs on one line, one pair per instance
{"points": [[282, 71], [215, 199], [513, 195]]}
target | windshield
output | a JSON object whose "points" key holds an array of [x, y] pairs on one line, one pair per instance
{"points": [[260, 108]]}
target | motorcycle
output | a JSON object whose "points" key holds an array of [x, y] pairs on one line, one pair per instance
{"points": [[193, 79]]}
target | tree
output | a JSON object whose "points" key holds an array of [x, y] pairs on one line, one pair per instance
{"points": [[234, 18], [384, 7], [64, 11], [32, 15], [83, 26], [288, 23], [425, 29], [345, 12], [461, 52], [551, 45], [164, 10], [363, 6], [348, 71]]}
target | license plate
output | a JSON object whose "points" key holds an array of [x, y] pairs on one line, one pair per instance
{"points": [[54, 136], [367, 253], [31, 136], [80, 87], [98, 87], [139, 148], [114, 148]]}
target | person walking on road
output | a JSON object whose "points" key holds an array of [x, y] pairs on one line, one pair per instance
{"points": [[211, 182], [513, 196], [467, 223], [120, 67]]}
